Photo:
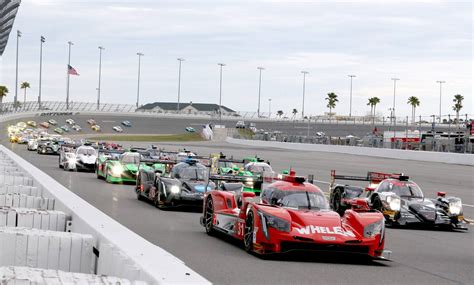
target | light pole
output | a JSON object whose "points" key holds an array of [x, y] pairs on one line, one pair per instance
{"points": [[18, 36], [440, 89], [394, 93], [269, 107], [259, 88], [100, 75], [350, 101], [67, 71], [220, 93], [138, 83], [42, 40], [179, 82], [304, 89]]}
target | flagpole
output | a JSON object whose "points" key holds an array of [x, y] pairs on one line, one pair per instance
{"points": [[68, 64]]}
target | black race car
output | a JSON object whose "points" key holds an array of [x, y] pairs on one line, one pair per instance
{"points": [[48, 147], [399, 199], [184, 185]]}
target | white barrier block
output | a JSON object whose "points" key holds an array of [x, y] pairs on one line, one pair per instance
{"points": [[8, 250], [53, 220], [3, 198], [87, 259], [16, 201], [64, 253], [3, 217], [75, 260], [53, 252], [32, 251], [30, 202], [61, 222], [20, 249], [3, 189], [44, 221], [9, 200], [42, 257], [37, 220], [11, 219]]}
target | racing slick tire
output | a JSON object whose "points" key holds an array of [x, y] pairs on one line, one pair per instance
{"points": [[209, 217], [97, 173], [139, 195], [60, 165], [248, 232], [336, 202], [376, 203]]}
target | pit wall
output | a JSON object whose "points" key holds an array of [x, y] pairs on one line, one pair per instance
{"points": [[428, 156]]}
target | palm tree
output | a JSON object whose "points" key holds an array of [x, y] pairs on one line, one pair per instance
{"points": [[373, 101], [457, 106], [332, 100], [294, 113], [3, 93], [24, 85], [414, 102], [280, 113]]}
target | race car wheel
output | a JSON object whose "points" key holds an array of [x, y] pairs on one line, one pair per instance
{"points": [[336, 202], [60, 165], [377, 204], [248, 232], [209, 217]]}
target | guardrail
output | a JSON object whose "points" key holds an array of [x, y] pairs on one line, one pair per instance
{"points": [[57, 106], [117, 250], [429, 156]]}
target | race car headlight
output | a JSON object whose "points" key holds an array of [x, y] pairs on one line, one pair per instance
{"points": [[455, 208], [117, 170], [174, 189], [374, 228], [273, 222], [394, 203]]}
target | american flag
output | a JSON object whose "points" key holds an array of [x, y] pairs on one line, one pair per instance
{"points": [[71, 70]]}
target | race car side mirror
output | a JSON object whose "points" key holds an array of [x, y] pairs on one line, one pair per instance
{"points": [[441, 194], [369, 189]]}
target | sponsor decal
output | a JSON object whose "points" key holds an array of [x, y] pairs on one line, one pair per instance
{"points": [[255, 230], [328, 238], [324, 230]]}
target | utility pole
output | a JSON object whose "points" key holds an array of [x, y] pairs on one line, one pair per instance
{"points": [[220, 93], [259, 88], [350, 103], [100, 75], [68, 75], [179, 82], [269, 107], [138, 83], [440, 89], [304, 89], [42, 40], [18, 36], [394, 93]]}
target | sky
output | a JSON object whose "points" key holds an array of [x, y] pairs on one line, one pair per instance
{"points": [[418, 42]]}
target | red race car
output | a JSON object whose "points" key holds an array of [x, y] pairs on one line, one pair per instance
{"points": [[292, 214]]}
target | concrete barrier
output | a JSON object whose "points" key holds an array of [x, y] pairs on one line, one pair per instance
{"points": [[119, 251], [429, 156]]}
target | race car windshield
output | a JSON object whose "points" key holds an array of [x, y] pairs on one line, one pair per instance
{"points": [[193, 173], [86, 151], [260, 168], [131, 159], [406, 190], [300, 200], [224, 164]]}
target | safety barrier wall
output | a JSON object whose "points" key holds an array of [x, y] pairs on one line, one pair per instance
{"points": [[451, 158], [120, 252]]}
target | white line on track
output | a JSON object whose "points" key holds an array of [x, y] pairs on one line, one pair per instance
{"points": [[104, 121], [467, 205]]}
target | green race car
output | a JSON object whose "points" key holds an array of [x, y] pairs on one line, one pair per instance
{"points": [[123, 168]]}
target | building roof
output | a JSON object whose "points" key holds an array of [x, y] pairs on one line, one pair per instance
{"points": [[8, 10], [172, 106]]}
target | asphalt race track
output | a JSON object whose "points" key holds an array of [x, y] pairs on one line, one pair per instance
{"points": [[163, 125], [419, 256]]}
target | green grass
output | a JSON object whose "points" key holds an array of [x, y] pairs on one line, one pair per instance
{"points": [[150, 138], [245, 133]]}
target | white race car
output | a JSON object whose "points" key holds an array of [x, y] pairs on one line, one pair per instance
{"points": [[77, 128], [118, 129], [83, 158], [70, 122], [32, 144]]}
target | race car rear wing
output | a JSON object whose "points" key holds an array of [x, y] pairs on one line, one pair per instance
{"points": [[234, 178], [373, 177]]}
